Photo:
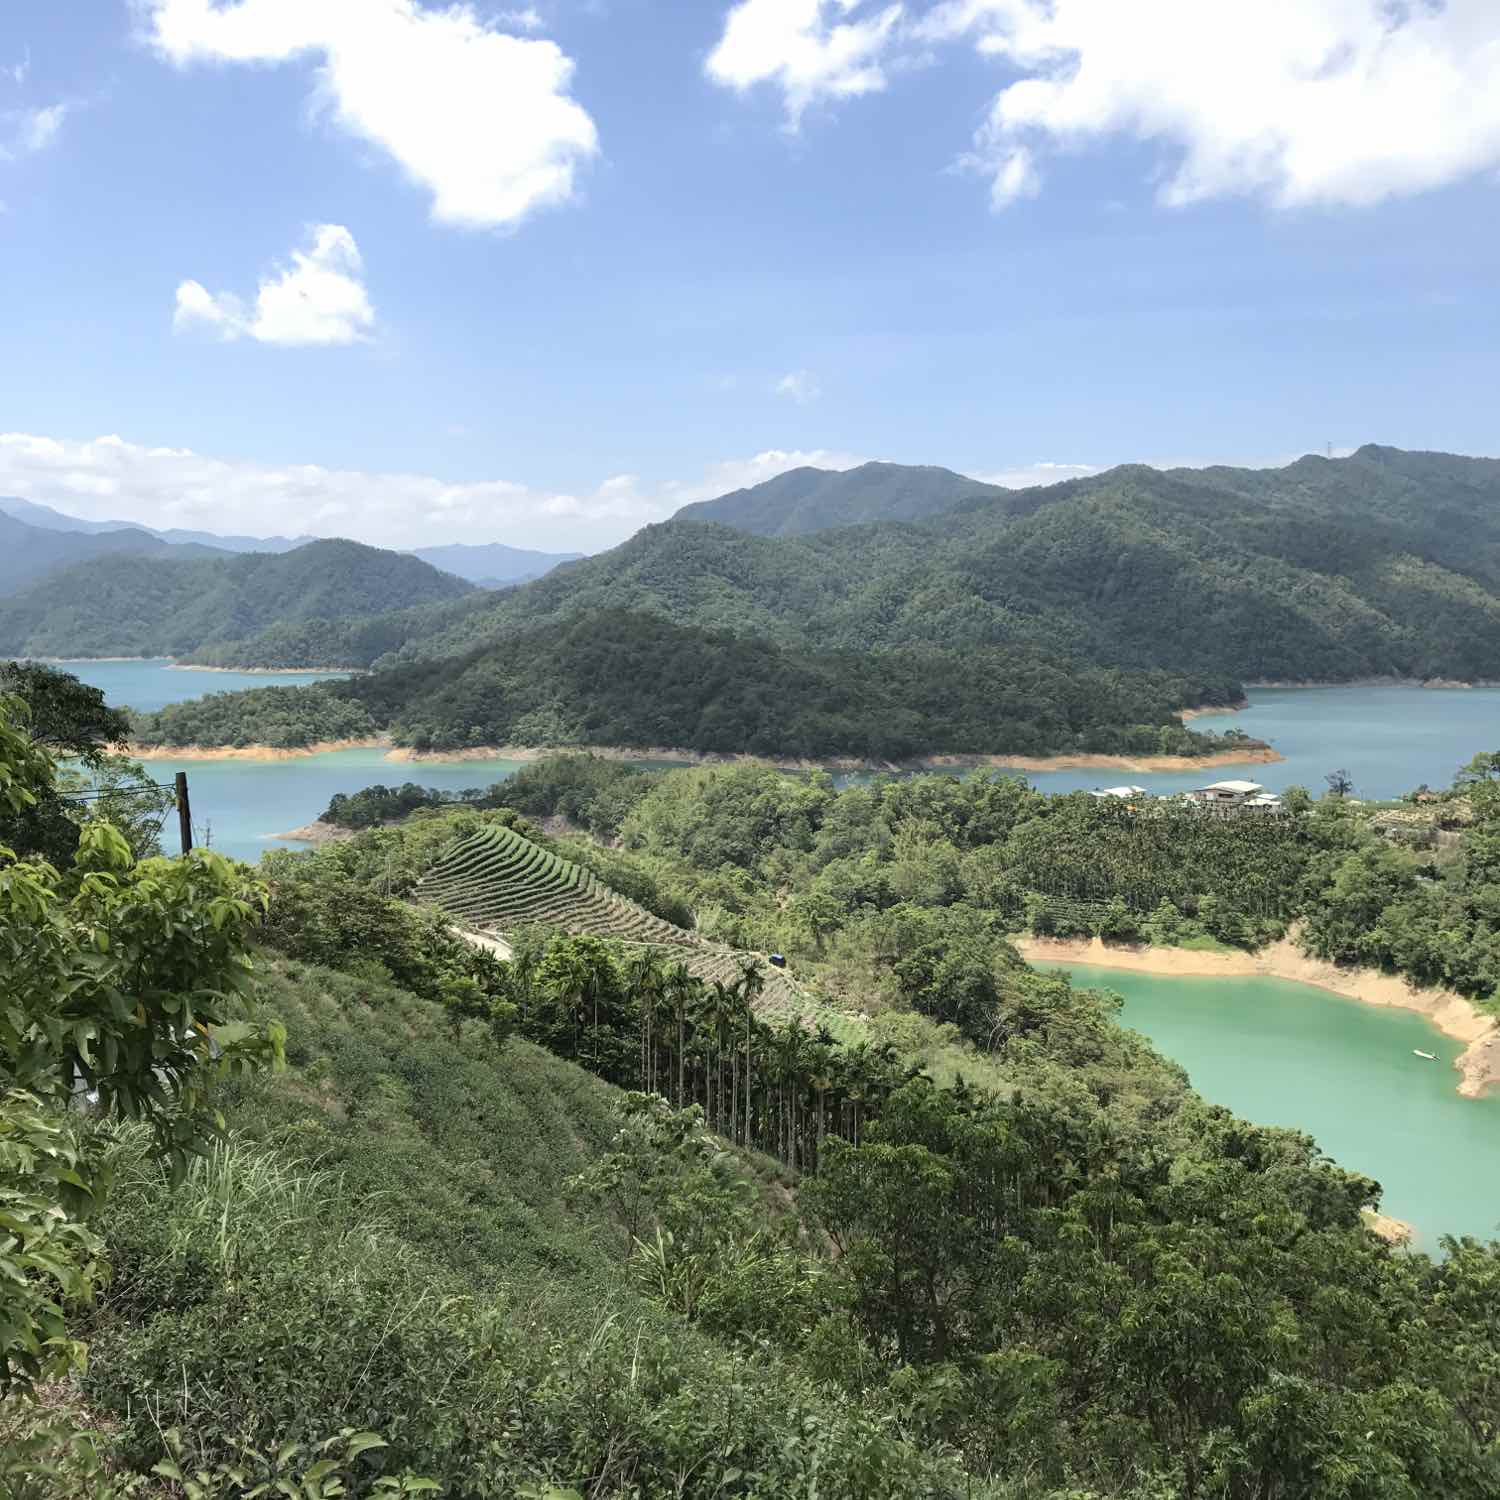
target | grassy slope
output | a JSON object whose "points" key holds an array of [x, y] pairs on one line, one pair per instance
{"points": [[390, 1242]]}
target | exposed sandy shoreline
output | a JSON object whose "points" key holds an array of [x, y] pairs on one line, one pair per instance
{"points": [[314, 833], [1186, 714], [246, 752], [1394, 1231], [188, 666], [1453, 1015], [941, 762], [1403, 682], [401, 755]]}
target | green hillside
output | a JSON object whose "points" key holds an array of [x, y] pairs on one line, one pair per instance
{"points": [[807, 499], [613, 678], [1382, 563], [143, 605]]}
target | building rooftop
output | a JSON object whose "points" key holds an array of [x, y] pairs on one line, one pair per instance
{"points": [[1241, 788]]}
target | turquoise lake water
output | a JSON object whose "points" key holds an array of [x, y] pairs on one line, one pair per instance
{"points": [[1281, 1053], [1389, 739]]}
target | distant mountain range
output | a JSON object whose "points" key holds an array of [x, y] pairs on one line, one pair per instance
{"points": [[493, 565], [54, 520], [490, 564], [31, 553], [806, 500]]}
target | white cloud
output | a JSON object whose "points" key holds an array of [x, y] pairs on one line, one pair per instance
{"points": [[479, 117], [800, 386], [1343, 102], [1299, 101], [318, 299], [811, 49], [1024, 476], [111, 479]]}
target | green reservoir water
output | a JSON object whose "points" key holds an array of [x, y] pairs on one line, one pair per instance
{"points": [[152, 684], [1280, 1053], [1391, 739]]}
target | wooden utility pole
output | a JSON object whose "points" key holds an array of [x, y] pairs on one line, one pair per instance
{"points": [[184, 812]]}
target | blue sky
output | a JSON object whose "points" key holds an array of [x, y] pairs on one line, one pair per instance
{"points": [[420, 273]]}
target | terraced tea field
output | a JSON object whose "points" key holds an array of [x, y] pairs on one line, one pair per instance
{"points": [[497, 881]]}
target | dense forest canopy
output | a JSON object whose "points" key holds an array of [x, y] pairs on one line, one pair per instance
{"points": [[636, 680], [1384, 563]]}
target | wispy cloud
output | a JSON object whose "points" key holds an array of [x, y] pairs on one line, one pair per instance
{"points": [[800, 386], [24, 132]]}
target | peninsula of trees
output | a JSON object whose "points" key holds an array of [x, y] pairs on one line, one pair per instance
{"points": [[617, 679]]}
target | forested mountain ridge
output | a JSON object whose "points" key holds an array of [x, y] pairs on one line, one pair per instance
{"points": [[143, 605], [1384, 563], [808, 499]]}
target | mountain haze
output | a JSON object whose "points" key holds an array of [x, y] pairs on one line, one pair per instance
{"points": [[493, 564], [35, 514], [807, 499], [29, 554]]}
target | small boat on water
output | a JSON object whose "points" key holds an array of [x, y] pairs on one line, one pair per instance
{"points": [[1430, 1056]]}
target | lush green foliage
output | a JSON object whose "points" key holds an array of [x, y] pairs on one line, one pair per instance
{"points": [[285, 718], [386, 804], [320, 916], [618, 679], [140, 605], [120, 982], [1082, 1282], [67, 718], [403, 1234], [590, 792]]}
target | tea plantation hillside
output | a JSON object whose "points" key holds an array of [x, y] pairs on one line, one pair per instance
{"points": [[497, 880]]}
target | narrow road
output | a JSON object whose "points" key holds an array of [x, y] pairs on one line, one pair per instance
{"points": [[498, 946]]}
